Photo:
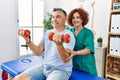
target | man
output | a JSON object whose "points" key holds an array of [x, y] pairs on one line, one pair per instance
{"points": [[55, 65]]}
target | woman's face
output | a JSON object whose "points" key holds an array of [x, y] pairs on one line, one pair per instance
{"points": [[76, 20]]}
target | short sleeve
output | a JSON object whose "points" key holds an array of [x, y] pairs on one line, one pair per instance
{"points": [[89, 41]]}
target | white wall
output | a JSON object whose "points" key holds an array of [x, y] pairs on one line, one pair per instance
{"points": [[101, 20], [8, 30], [8, 25], [101, 16]]}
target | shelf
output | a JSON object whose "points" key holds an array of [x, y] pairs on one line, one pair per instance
{"points": [[113, 56], [112, 66], [114, 34], [115, 11], [113, 76]]}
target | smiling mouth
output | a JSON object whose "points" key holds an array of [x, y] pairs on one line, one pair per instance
{"points": [[75, 23]]}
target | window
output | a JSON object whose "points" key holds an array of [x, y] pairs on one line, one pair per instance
{"points": [[30, 13]]}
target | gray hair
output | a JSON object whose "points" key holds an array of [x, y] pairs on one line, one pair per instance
{"points": [[60, 9]]}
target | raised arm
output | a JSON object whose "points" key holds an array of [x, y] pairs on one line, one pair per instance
{"points": [[37, 49], [62, 47]]}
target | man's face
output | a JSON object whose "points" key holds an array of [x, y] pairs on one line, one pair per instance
{"points": [[58, 19]]}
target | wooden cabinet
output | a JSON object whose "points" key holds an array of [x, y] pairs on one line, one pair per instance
{"points": [[112, 71], [100, 60]]}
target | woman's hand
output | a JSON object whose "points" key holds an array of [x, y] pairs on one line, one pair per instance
{"points": [[71, 54]]}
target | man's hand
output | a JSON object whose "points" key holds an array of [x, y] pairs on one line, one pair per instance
{"points": [[57, 38], [24, 33]]}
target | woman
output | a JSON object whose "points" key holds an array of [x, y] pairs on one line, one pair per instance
{"points": [[83, 54]]}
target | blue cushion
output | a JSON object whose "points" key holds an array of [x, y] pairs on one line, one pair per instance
{"points": [[15, 67], [80, 75]]}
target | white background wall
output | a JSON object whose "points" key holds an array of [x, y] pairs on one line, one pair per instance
{"points": [[8, 25]]}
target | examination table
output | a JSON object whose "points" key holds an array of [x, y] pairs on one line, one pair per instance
{"points": [[17, 66]]}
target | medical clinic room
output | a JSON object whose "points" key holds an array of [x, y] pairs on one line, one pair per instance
{"points": [[60, 40]]}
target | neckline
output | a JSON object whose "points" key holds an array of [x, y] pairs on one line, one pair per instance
{"points": [[78, 32]]}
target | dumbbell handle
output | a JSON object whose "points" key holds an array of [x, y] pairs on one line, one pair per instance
{"points": [[65, 38]]}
